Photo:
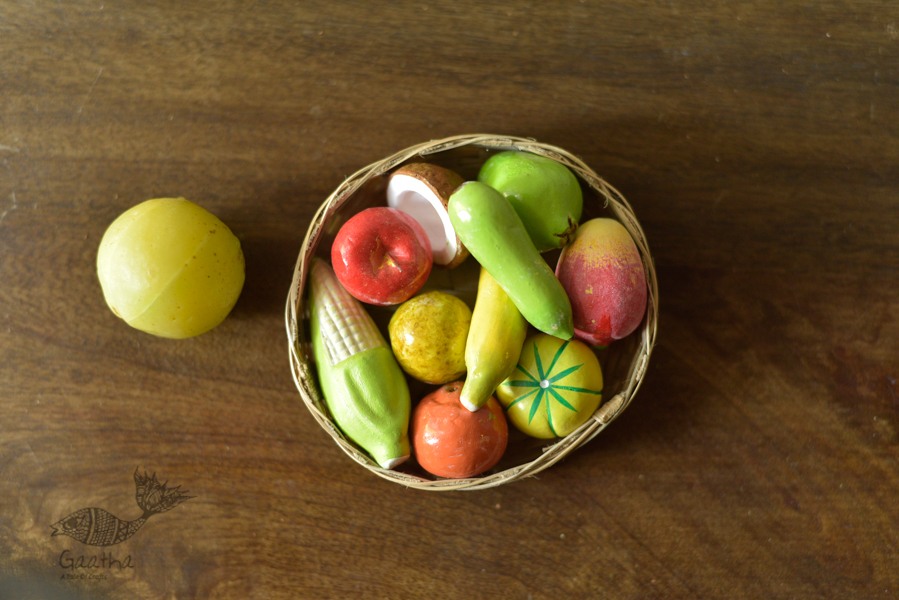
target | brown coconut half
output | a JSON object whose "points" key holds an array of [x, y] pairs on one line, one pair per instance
{"points": [[422, 190]]}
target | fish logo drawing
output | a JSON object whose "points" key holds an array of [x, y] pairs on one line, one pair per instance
{"points": [[98, 527]]}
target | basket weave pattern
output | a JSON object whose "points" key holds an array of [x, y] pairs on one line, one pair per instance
{"points": [[624, 363]]}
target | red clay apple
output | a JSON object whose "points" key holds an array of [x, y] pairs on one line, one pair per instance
{"points": [[381, 256], [603, 275]]}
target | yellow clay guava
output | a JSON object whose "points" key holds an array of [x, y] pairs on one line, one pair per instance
{"points": [[170, 268]]}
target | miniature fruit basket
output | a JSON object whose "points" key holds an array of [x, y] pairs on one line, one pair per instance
{"points": [[624, 362]]}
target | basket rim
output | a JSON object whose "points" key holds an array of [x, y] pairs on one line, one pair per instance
{"points": [[300, 360]]}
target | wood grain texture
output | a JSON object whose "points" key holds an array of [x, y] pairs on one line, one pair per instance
{"points": [[758, 143]]}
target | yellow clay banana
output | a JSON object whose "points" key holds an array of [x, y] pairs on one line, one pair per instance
{"points": [[494, 343]]}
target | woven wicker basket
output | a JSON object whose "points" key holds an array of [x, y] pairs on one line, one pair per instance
{"points": [[624, 362]]}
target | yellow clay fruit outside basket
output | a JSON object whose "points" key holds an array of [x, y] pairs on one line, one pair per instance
{"points": [[624, 362], [169, 267]]}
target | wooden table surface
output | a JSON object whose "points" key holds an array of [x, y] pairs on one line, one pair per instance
{"points": [[758, 143]]}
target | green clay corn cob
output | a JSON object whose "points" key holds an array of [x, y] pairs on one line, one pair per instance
{"points": [[494, 342], [364, 388]]}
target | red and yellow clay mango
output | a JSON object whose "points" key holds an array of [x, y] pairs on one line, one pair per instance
{"points": [[604, 277]]}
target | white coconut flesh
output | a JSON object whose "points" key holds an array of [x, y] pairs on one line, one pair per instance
{"points": [[416, 198]]}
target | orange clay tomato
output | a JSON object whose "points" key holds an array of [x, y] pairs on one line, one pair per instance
{"points": [[448, 440]]}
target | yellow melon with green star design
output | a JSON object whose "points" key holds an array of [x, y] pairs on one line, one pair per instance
{"points": [[555, 388]]}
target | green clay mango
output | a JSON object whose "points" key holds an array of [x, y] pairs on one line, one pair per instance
{"points": [[545, 194]]}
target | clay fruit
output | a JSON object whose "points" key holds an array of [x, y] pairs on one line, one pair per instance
{"points": [[364, 388], [428, 335], [555, 388], [495, 236], [494, 342], [171, 268], [448, 440], [604, 277], [544, 193], [422, 190], [381, 256]]}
